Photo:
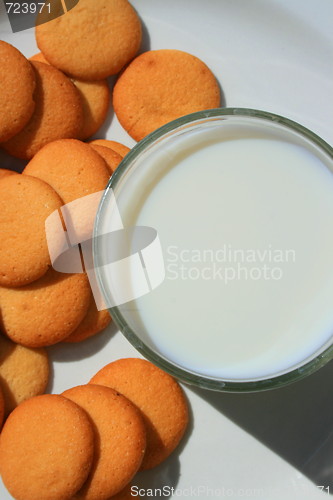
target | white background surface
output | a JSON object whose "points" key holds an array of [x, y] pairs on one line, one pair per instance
{"points": [[274, 55]]}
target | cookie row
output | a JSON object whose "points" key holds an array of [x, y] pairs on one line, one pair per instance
{"points": [[40, 104], [40, 306], [89, 442], [95, 99]]}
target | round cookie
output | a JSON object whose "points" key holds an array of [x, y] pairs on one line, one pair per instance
{"points": [[95, 98], [160, 86], [158, 396], [70, 44], [94, 322], [46, 449], [2, 407], [58, 113], [17, 84], [25, 203], [71, 167], [114, 145], [111, 158], [121, 440], [4, 172], [24, 372], [46, 311]]}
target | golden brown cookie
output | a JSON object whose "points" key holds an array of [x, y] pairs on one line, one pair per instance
{"points": [[111, 158], [17, 85], [24, 372], [4, 172], [2, 405], [25, 203], [121, 440], [160, 86], [94, 322], [95, 98], [46, 311], [46, 449], [71, 167], [39, 58], [58, 113], [114, 145], [158, 396], [68, 44]]}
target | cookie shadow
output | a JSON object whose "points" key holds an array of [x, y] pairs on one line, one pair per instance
{"points": [[145, 42], [164, 475], [68, 352], [103, 130], [167, 474], [50, 384], [223, 102], [11, 163], [295, 421]]}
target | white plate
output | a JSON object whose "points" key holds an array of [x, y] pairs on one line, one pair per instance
{"points": [[274, 55]]}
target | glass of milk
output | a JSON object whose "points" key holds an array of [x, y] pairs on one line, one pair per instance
{"points": [[214, 249]]}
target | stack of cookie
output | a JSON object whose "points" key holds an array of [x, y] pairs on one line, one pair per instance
{"points": [[95, 43], [40, 306], [89, 442]]}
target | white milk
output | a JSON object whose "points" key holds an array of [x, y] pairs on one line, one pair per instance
{"points": [[246, 227]]}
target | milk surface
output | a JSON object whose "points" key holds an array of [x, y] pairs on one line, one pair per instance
{"points": [[246, 230]]}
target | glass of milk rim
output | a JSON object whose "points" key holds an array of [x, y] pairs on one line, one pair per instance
{"points": [[213, 249]]}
